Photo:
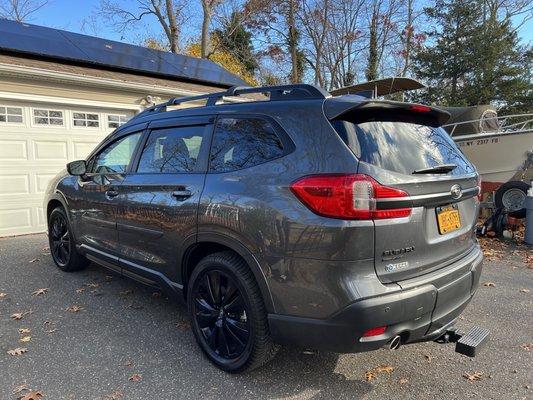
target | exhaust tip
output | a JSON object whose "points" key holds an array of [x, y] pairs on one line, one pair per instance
{"points": [[395, 342]]}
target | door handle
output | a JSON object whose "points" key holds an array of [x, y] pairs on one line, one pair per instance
{"points": [[181, 194], [111, 193]]}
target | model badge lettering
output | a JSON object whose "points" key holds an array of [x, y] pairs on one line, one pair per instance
{"points": [[397, 266], [396, 253]]}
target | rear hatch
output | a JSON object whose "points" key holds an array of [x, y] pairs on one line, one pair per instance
{"points": [[402, 146]]}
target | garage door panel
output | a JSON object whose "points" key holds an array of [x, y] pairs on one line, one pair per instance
{"points": [[41, 182], [15, 220], [83, 149], [50, 150], [13, 150], [14, 184]]}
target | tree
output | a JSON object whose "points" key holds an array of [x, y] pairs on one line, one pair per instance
{"points": [[208, 7], [233, 38], [169, 14], [20, 10], [475, 56]]}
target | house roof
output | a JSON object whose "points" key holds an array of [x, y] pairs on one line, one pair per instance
{"points": [[62, 46]]}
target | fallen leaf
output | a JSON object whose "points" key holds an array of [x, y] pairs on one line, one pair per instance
{"points": [[46, 248], [114, 396], [20, 388], [2, 295], [428, 357], [403, 381], [183, 325], [527, 346], [80, 290], [135, 378], [17, 316], [39, 292], [34, 260], [489, 284], [74, 309], [25, 339], [128, 363], [476, 376], [51, 324], [24, 330], [17, 352], [374, 372], [93, 285], [524, 290], [32, 395]]}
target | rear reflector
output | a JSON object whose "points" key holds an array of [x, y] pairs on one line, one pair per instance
{"points": [[347, 196], [375, 331]]}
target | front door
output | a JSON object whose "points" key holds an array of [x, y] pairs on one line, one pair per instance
{"points": [[94, 207], [157, 215]]}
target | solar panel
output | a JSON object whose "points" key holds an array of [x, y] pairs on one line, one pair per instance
{"points": [[83, 49]]}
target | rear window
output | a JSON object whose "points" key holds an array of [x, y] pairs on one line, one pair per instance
{"points": [[402, 146]]}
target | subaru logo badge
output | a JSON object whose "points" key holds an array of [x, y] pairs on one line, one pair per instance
{"points": [[456, 191]]}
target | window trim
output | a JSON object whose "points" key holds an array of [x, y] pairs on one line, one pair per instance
{"points": [[288, 144], [92, 157], [63, 112], [203, 153], [72, 112], [6, 122]]}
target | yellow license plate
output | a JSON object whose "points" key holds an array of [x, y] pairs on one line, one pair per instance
{"points": [[448, 219]]}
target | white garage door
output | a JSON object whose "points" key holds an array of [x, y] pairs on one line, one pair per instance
{"points": [[36, 141]]}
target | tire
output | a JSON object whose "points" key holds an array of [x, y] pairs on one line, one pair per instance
{"points": [[511, 192], [232, 331], [62, 244]]}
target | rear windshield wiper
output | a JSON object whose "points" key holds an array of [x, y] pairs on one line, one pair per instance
{"points": [[437, 169]]}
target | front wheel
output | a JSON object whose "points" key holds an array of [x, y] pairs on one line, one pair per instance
{"points": [[227, 312], [61, 241]]}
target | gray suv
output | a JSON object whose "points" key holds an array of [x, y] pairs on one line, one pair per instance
{"points": [[342, 224]]}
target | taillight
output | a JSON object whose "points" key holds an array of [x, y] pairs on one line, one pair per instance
{"points": [[375, 331], [347, 196], [419, 108]]}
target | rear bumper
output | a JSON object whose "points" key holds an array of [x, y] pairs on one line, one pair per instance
{"points": [[421, 311]]}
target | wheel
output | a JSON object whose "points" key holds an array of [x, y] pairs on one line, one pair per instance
{"points": [[227, 313], [511, 196], [61, 240]]}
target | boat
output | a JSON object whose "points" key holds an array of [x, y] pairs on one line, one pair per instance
{"points": [[500, 147]]}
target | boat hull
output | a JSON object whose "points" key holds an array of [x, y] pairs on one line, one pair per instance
{"points": [[499, 157]]}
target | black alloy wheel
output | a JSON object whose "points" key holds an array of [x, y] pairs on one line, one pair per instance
{"points": [[60, 244], [221, 314]]}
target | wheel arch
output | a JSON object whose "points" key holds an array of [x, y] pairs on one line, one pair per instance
{"points": [[209, 243]]}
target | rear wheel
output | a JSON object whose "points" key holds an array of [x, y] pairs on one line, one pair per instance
{"points": [[61, 241], [227, 314], [511, 196]]}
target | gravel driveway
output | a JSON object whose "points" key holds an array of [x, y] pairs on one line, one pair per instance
{"points": [[94, 335]]}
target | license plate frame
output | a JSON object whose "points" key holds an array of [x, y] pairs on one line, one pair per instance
{"points": [[448, 218]]}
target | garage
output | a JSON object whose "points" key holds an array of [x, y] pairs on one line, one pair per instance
{"points": [[61, 93]]}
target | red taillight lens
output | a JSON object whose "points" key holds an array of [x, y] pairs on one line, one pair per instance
{"points": [[419, 108], [375, 331], [347, 196]]}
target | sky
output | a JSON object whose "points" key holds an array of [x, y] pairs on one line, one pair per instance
{"points": [[69, 15]]}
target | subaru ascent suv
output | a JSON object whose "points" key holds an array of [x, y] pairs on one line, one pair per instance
{"points": [[343, 224]]}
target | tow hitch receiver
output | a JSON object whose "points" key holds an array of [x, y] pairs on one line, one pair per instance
{"points": [[469, 343]]}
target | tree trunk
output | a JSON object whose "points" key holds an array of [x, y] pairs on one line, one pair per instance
{"points": [[371, 72], [293, 42], [207, 6], [408, 38], [173, 39]]}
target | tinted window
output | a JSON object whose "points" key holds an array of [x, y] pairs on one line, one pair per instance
{"points": [[116, 157], [401, 146], [243, 142], [172, 150]]}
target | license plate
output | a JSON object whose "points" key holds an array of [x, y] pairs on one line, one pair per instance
{"points": [[448, 219]]}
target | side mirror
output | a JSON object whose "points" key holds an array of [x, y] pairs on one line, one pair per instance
{"points": [[77, 168]]}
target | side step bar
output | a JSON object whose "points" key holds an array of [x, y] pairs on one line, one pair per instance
{"points": [[469, 343]]}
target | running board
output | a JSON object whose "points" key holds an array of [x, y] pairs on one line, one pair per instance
{"points": [[469, 343]]}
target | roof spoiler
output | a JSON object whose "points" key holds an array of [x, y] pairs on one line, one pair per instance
{"points": [[369, 110]]}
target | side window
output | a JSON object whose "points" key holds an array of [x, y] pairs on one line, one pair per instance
{"points": [[243, 142], [172, 150], [116, 157]]}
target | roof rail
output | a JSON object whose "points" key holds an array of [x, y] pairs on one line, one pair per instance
{"points": [[277, 93]]}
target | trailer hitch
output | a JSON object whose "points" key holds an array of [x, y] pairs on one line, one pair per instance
{"points": [[469, 343]]}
